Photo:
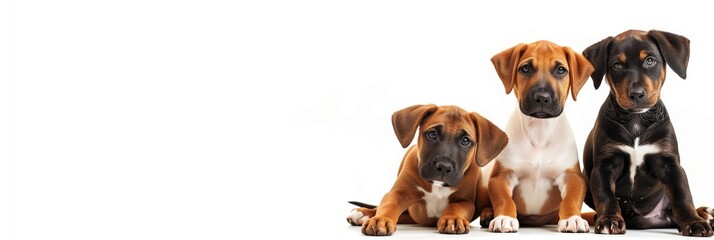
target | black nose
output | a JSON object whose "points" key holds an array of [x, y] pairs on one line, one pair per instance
{"points": [[444, 167], [637, 94], [543, 97]]}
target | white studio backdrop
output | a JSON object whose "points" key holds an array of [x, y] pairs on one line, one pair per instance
{"points": [[220, 119]]}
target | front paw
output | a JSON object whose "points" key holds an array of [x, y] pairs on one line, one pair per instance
{"points": [[504, 224], [610, 224], [574, 224], [453, 225], [696, 228], [379, 226], [357, 217]]}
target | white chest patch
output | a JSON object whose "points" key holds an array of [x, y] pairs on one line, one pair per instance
{"points": [[436, 200], [637, 155]]}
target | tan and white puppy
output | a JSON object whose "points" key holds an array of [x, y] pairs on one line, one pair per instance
{"points": [[536, 180]]}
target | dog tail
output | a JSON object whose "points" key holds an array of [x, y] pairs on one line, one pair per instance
{"points": [[361, 204]]}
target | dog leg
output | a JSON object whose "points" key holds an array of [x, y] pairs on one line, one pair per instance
{"points": [[602, 182], [394, 203], [573, 194], [676, 185], [500, 189], [359, 216]]}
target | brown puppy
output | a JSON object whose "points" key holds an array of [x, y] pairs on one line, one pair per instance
{"points": [[436, 183], [631, 158], [536, 180]]}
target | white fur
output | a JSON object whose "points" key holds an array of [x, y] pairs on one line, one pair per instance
{"points": [[538, 151], [711, 212], [436, 200], [357, 217], [637, 154], [504, 224], [573, 224]]}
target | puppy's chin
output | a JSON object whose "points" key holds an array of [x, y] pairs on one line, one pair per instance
{"points": [[638, 110], [543, 115]]}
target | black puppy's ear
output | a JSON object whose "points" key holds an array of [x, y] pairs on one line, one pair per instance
{"points": [[675, 50], [597, 55], [406, 121]]}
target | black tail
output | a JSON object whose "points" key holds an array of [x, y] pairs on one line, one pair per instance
{"points": [[364, 205]]}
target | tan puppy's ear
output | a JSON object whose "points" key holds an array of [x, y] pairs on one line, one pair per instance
{"points": [[491, 140], [505, 64], [406, 121], [580, 70]]}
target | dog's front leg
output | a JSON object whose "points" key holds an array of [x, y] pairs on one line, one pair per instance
{"points": [[602, 186], [500, 189], [572, 191], [393, 204], [456, 218], [673, 177]]}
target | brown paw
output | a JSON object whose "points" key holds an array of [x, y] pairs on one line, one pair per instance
{"points": [[453, 225], [486, 217], [696, 228], [379, 226], [707, 214], [610, 224]]}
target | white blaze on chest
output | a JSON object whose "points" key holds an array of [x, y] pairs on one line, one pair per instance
{"points": [[637, 155], [436, 200]]}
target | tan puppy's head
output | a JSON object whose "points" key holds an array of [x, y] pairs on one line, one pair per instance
{"points": [[449, 140], [541, 73]]}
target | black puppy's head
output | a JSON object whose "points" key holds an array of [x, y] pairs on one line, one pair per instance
{"points": [[634, 64], [449, 140]]}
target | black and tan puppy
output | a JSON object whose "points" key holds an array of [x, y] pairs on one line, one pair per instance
{"points": [[630, 159], [437, 180]]}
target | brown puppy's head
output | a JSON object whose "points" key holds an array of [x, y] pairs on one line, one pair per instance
{"points": [[449, 139], [634, 63], [541, 74]]}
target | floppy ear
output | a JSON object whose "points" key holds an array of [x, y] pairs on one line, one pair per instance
{"points": [[406, 121], [505, 64], [491, 140], [597, 55], [675, 50], [580, 70]]}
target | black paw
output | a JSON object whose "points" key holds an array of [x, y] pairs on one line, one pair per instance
{"points": [[610, 224], [696, 228]]}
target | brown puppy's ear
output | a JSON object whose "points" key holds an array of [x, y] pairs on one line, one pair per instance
{"points": [[406, 121], [505, 64], [597, 55], [675, 50], [491, 140], [580, 70]]}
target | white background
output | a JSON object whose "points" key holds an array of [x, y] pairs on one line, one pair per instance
{"points": [[216, 120]]}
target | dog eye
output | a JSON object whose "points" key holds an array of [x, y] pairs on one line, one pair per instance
{"points": [[465, 141], [617, 65], [561, 70], [431, 135], [525, 68], [650, 61]]}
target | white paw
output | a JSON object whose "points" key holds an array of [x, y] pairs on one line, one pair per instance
{"points": [[356, 218], [504, 224], [573, 224]]}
